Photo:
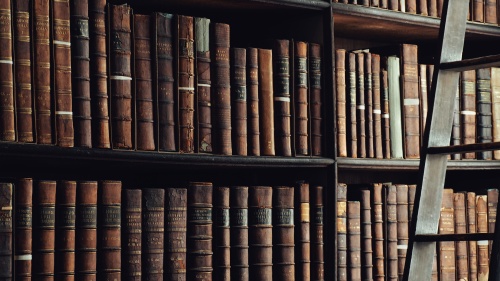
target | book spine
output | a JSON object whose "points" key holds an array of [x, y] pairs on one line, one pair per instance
{"points": [[6, 231], [317, 235], [121, 76], [153, 218], [175, 234], [386, 121], [482, 245], [86, 231], [316, 100], [302, 235], [282, 98], [468, 109], [340, 90], [423, 98], [354, 241], [432, 6], [23, 71], [222, 235], [402, 225], [460, 228], [422, 8], [392, 232], [446, 250], [384, 4], [199, 232], [366, 236], [411, 6], [239, 101], [478, 10], [370, 153], [360, 104], [412, 189], [260, 232], [301, 99], [483, 98], [65, 230], [7, 123], [411, 101], [377, 108], [365, 3], [378, 234], [143, 83], [394, 5], [131, 231], [495, 107], [455, 132], [239, 233], [283, 234], [492, 213], [393, 72], [439, 8], [266, 108], [253, 102], [44, 220], [352, 136], [99, 93], [109, 230], [472, 228], [375, 3], [202, 41], [342, 232], [490, 11], [24, 229]]}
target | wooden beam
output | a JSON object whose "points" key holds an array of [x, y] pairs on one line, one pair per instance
{"points": [[472, 64], [464, 148], [454, 237]]}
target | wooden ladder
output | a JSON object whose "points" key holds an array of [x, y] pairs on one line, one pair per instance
{"points": [[435, 149]]}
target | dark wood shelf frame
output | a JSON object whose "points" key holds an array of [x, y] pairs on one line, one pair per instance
{"points": [[411, 165]]}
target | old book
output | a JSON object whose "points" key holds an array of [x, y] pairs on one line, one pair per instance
{"points": [[460, 227], [411, 101], [342, 232], [411, 6], [23, 70], [482, 245], [360, 104], [44, 222], [352, 133], [283, 233], [354, 271], [132, 234], [316, 100], [86, 230], [432, 6], [468, 109], [317, 234], [282, 122], [153, 234], [144, 119], [375, 3], [478, 10], [99, 92], [492, 213], [199, 231], [221, 89], [392, 232], [340, 90], [6, 229], [446, 250], [221, 233], [402, 225], [186, 78], [370, 152], [384, 4], [490, 11], [7, 123], [24, 229], [203, 84], [394, 5], [386, 126], [260, 232], [484, 121], [302, 231], [393, 73], [440, 4], [266, 107], [377, 107], [455, 131], [378, 233], [175, 234], [366, 236], [253, 102], [423, 97], [301, 98], [495, 107], [422, 8], [65, 229], [471, 228], [412, 189], [239, 101], [164, 81], [238, 214]]}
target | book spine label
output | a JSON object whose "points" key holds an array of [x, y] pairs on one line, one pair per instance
{"points": [[283, 233], [86, 230], [175, 234], [6, 228], [342, 232], [411, 101], [266, 106], [301, 99], [239, 233], [222, 238], [44, 220], [153, 217], [260, 235], [369, 114], [354, 240], [131, 231], [65, 229], [316, 101], [7, 123], [253, 102], [484, 112], [24, 229], [352, 120], [386, 121], [282, 98], [360, 104], [239, 101]]}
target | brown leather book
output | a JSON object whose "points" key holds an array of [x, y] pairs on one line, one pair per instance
{"points": [[283, 233], [99, 92], [239, 101], [281, 63], [203, 84], [365, 3], [370, 152], [422, 8], [164, 81], [109, 244], [482, 245], [412, 189], [374, 3], [461, 227], [260, 232], [386, 124], [468, 109], [24, 229], [366, 236], [432, 6], [340, 90], [377, 107], [301, 98], [422, 87], [238, 213], [120, 68], [317, 234], [378, 234], [175, 234], [471, 228], [490, 11], [411, 101], [86, 230], [302, 232], [360, 104], [144, 121], [153, 234], [484, 112], [7, 123], [392, 232], [6, 231], [222, 235], [455, 131], [440, 4], [402, 225], [446, 250], [65, 230], [411, 6], [253, 102], [316, 98], [199, 232], [495, 107], [44, 220], [132, 234], [23, 70], [384, 4], [354, 271], [394, 5], [342, 232], [352, 139], [478, 10], [492, 213], [266, 108], [221, 89]]}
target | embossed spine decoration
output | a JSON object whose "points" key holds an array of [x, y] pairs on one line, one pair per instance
{"points": [[378, 234], [24, 229], [266, 107], [7, 124], [482, 245], [44, 220], [132, 232], [301, 96], [283, 234], [239, 101], [282, 98], [65, 230], [253, 102], [239, 233], [402, 225], [316, 96], [6, 231], [86, 230], [392, 232], [175, 234], [153, 206], [260, 232], [222, 238], [317, 238], [302, 232]]}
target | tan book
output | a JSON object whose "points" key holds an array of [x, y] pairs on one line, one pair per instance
{"points": [[341, 232], [340, 90], [446, 250], [482, 245], [462, 265], [472, 228]]}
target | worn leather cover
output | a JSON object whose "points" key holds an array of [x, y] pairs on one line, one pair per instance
{"points": [[376, 109], [386, 122], [222, 238], [253, 102], [316, 96], [477, 10], [301, 98], [411, 6], [175, 234], [266, 107], [394, 5], [411, 101], [131, 233], [392, 232], [6, 231], [384, 4], [238, 212], [461, 227], [317, 234], [472, 228], [342, 232], [202, 41], [439, 7], [86, 230], [360, 104], [446, 250], [144, 119], [378, 234], [422, 8], [65, 230], [482, 246], [239, 101], [24, 229], [302, 231], [468, 109], [340, 90], [422, 88], [283, 233], [370, 137], [366, 236], [352, 132], [44, 211], [402, 225], [260, 233], [484, 112], [495, 107], [354, 241], [282, 116], [490, 11], [7, 124], [153, 235]]}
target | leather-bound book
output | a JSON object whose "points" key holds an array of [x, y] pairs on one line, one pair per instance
{"points": [[471, 228], [411, 6], [446, 250], [222, 235], [199, 232], [221, 89], [153, 234], [402, 224], [384, 4], [386, 122], [132, 234], [374, 3], [460, 228], [315, 93], [495, 107], [266, 108], [468, 109], [366, 236], [282, 116], [65, 230], [377, 107], [483, 108], [144, 122], [6, 231], [239, 101], [7, 123], [370, 153], [378, 234], [352, 133], [260, 232], [422, 8], [455, 131], [432, 6], [411, 101], [340, 90], [99, 92], [490, 12], [175, 234], [301, 99], [393, 72], [86, 231], [253, 102], [392, 232], [23, 70], [394, 5], [412, 189], [80, 72], [186, 78], [317, 234], [342, 232], [120, 68], [42, 71], [203, 85], [492, 213], [360, 104], [109, 200], [439, 5], [302, 232], [422, 87], [283, 234], [44, 221], [354, 271], [164, 81], [24, 229], [238, 213], [365, 3], [482, 245], [477, 10]]}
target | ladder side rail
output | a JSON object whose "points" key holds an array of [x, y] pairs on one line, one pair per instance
{"points": [[494, 271]]}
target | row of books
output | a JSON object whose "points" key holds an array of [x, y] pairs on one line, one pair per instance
{"points": [[105, 77], [373, 226], [89, 229]]}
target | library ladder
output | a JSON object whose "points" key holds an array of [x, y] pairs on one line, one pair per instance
{"points": [[435, 149]]}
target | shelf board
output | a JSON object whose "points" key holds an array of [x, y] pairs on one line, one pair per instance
{"points": [[412, 165]]}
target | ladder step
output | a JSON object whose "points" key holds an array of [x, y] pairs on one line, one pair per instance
{"points": [[454, 237], [471, 64], [464, 148]]}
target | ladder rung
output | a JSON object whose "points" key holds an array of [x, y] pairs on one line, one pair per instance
{"points": [[464, 148], [454, 237], [471, 64]]}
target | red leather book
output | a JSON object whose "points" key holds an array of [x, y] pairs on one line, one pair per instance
{"points": [[86, 230], [283, 233], [316, 95], [282, 122], [44, 221], [302, 231], [221, 234], [24, 229], [239, 101], [65, 230], [253, 102], [153, 218], [266, 106], [239, 233], [132, 232], [260, 232], [301, 98], [6, 231], [175, 234], [340, 90], [317, 235], [7, 123]]}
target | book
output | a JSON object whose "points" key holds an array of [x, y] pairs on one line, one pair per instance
{"points": [[239, 101], [393, 74], [354, 271], [370, 151], [394, 5], [411, 6], [446, 250], [411, 101], [471, 228], [490, 11], [352, 132], [65, 229], [360, 104], [283, 233], [175, 234], [6, 231], [153, 234], [302, 232], [468, 109], [392, 231], [422, 8], [266, 107], [492, 213], [342, 232], [455, 131], [460, 227], [301, 98], [44, 223], [482, 245], [316, 97], [483, 101], [143, 82], [386, 126], [221, 232], [440, 4], [238, 213], [495, 107], [478, 10], [377, 107], [424, 107], [132, 234], [340, 90], [317, 234], [432, 5], [23, 224], [260, 232], [282, 113], [378, 233], [366, 236], [253, 102], [86, 230], [402, 225]]}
